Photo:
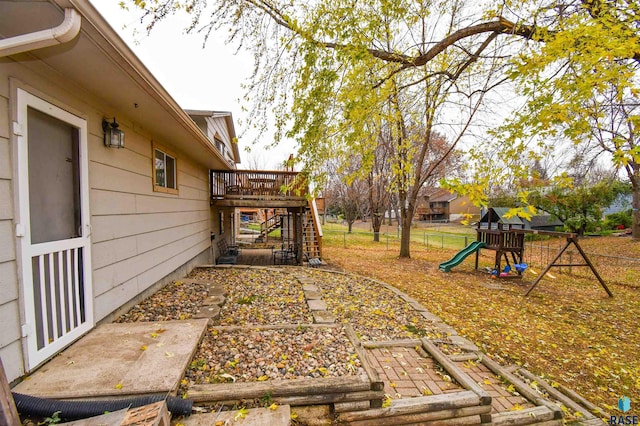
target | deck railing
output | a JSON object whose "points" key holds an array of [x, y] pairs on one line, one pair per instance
{"points": [[501, 240], [430, 210], [256, 184]]}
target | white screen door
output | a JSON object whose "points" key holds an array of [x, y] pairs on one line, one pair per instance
{"points": [[53, 228]]}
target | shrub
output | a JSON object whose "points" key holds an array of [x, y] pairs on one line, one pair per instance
{"points": [[614, 220]]}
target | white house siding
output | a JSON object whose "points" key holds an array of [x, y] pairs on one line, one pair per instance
{"points": [[218, 126], [10, 346], [140, 238]]}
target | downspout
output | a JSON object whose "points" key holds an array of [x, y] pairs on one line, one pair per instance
{"points": [[65, 32]]}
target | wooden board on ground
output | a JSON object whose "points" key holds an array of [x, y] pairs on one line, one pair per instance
{"points": [[280, 416], [8, 412]]}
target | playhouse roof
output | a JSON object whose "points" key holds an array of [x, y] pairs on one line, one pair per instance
{"points": [[499, 215]]}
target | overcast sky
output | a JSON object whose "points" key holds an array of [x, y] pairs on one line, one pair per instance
{"points": [[197, 77]]}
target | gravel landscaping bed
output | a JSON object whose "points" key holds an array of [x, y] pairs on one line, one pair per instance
{"points": [[246, 355], [375, 312], [258, 296], [175, 301], [239, 347]]}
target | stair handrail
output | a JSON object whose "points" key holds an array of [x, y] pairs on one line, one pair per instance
{"points": [[267, 226]]}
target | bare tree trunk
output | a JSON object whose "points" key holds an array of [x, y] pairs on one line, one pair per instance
{"points": [[376, 223], [635, 211], [407, 221], [405, 238]]}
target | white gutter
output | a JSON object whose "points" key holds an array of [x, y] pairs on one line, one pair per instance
{"points": [[66, 31]]}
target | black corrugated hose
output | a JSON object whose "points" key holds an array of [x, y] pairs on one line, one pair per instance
{"points": [[74, 410]]}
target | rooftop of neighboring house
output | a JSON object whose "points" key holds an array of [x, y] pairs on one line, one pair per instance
{"points": [[435, 195], [543, 220]]}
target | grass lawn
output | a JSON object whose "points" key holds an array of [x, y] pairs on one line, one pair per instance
{"points": [[567, 330]]}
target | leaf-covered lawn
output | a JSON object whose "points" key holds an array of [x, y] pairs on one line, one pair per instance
{"points": [[567, 330]]}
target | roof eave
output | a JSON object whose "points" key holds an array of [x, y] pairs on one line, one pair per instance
{"points": [[120, 51]]}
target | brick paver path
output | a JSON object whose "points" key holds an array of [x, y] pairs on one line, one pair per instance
{"points": [[407, 372]]}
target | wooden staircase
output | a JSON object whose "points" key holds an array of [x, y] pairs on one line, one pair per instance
{"points": [[311, 235], [269, 225], [311, 232]]}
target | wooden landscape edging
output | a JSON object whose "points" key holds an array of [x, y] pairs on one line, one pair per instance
{"points": [[278, 388], [271, 327], [460, 376], [376, 383], [522, 388], [534, 415], [456, 416], [404, 343], [546, 411], [448, 405], [556, 394]]}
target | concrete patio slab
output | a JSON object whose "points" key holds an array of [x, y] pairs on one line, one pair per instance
{"points": [[116, 360]]}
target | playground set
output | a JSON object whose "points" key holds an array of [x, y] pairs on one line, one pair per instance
{"points": [[505, 234]]}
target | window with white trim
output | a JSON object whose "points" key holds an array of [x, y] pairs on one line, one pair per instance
{"points": [[165, 171]]}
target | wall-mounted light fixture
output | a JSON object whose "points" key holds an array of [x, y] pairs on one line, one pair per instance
{"points": [[113, 137]]}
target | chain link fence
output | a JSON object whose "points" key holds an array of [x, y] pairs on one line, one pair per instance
{"points": [[537, 254]]}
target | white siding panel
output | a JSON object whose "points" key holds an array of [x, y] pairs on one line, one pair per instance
{"points": [[186, 179], [111, 300], [126, 159], [112, 227], [112, 251], [113, 275], [113, 179], [151, 276], [151, 204], [152, 240], [110, 202], [6, 203], [8, 282], [188, 193], [5, 159], [10, 320], [7, 241], [220, 127], [12, 360], [192, 169], [101, 284]]}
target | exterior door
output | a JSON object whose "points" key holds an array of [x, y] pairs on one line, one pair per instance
{"points": [[53, 228]]}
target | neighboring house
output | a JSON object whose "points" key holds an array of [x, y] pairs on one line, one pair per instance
{"points": [[620, 204], [543, 222], [87, 230], [437, 204]]}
